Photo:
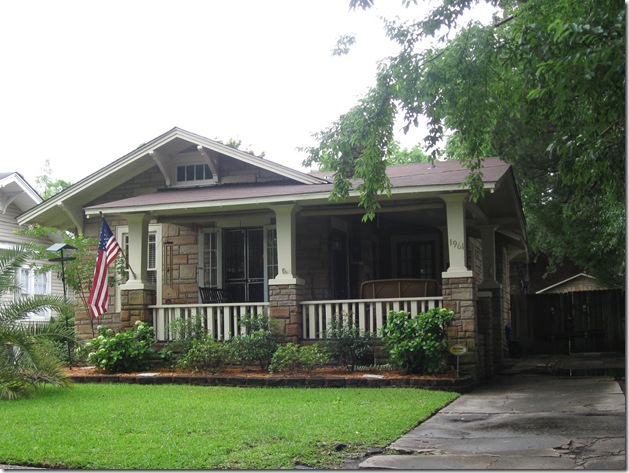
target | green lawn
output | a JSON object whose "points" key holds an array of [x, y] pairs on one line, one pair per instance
{"points": [[124, 426]]}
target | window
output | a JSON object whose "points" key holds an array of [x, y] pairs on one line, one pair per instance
{"points": [[271, 253], [210, 258], [151, 268], [194, 173], [33, 282]]}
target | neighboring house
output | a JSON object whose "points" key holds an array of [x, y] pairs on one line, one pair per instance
{"points": [[192, 212], [16, 197]]}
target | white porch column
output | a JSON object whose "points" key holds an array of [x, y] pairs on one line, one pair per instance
{"points": [[285, 220], [455, 213], [488, 236], [138, 252]]}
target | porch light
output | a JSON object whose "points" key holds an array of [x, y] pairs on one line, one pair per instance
{"points": [[60, 247]]}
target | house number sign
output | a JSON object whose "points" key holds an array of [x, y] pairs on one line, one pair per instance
{"points": [[456, 244]]}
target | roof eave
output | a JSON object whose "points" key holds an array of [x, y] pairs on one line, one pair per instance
{"points": [[307, 198]]}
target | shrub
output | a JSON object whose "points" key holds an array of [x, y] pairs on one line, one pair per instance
{"points": [[204, 355], [259, 343], [121, 352], [417, 344], [348, 344], [192, 328], [183, 332], [293, 357]]}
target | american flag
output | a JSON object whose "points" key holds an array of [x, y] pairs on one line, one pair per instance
{"points": [[108, 249]]}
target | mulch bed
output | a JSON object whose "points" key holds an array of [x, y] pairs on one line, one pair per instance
{"points": [[323, 377]]}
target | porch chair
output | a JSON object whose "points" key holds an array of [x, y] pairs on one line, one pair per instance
{"points": [[213, 295]]}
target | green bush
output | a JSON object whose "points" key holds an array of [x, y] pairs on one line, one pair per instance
{"points": [[259, 343], [349, 346], [205, 355], [191, 328], [417, 344], [121, 352], [293, 357], [183, 332]]}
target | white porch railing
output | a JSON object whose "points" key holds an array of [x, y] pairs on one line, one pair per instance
{"points": [[368, 314], [219, 319]]}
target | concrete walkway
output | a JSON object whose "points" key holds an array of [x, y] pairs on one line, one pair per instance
{"points": [[528, 421]]}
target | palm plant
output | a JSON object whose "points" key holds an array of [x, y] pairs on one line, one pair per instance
{"points": [[27, 355]]}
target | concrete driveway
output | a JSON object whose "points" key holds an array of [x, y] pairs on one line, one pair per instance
{"points": [[526, 422]]}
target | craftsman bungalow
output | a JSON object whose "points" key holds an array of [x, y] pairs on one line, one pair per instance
{"points": [[193, 213]]}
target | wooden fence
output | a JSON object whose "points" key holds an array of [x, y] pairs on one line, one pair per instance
{"points": [[574, 322]]}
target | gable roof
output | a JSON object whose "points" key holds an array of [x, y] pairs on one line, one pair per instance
{"points": [[15, 190], [576, 283], [65, 209]]}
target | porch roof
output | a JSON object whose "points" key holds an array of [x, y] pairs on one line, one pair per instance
{"points": [[418, 178]]}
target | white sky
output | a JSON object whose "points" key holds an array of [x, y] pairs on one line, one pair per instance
{"points": [[85, 82]]}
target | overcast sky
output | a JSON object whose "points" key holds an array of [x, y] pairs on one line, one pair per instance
{"points": [[85, 82]]}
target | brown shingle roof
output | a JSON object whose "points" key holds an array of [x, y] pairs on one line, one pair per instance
{"points": [[445, 173]]}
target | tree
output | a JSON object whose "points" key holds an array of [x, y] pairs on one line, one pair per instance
{"points": [[542, 87], [78, 272], [407, 156], [48, 187], [27, 358]]}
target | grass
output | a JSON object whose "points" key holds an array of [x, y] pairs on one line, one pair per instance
{"points": [[126, 426]]}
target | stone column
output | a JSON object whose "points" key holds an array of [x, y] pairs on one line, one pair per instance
{"points": [[455, 214], [135, 306], [285, 309], [286, 290], [137, 293], [285, 223], [459, 295]]}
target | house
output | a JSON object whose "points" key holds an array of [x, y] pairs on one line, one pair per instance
{"points": [[191, 212], [16, 197]]}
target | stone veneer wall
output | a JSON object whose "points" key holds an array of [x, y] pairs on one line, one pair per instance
{"points": [[85, 326], [185, 261]]}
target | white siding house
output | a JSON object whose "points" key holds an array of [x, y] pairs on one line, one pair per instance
{"points": [[16, 197]]}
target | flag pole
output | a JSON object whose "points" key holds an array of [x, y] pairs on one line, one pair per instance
{"points": [[124, 255]]}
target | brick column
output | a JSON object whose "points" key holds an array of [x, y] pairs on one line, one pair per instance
{"points": [[284, 308], [135, 306], [459, 296]]}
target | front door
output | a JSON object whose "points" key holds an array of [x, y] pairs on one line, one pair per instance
{"points": [[244, 264]]}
